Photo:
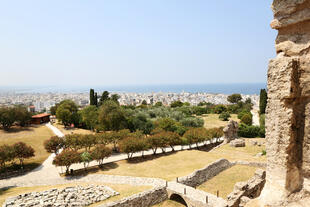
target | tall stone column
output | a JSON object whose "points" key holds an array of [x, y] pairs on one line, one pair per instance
{"points": [[288, 108]]}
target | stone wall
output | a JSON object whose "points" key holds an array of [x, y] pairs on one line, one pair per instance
{"points": [[288, 108], [145, 199], [250, 189], [202, 175]]}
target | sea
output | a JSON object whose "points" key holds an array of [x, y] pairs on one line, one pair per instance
{"points": [[242, 88]]}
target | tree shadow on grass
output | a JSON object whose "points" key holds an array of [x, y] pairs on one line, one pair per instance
{"points": [[209, 147], [91, 170], [136, 160], [15, 170], [4, 189]]}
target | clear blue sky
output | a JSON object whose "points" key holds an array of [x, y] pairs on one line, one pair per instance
{"points": [[101, 42]]}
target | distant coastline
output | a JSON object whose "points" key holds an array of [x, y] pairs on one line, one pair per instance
{"points": [[242, 88]]}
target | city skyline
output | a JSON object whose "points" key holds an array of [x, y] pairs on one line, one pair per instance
{"points": [[137, 43]]}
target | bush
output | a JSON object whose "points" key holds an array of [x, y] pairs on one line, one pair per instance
{"points": [[176, 104], [53, 144], [100, 153], [224, 116], [247, 119], [192, 122], [215, 132], [262, 132], [67, 158], [218, 109], [249, 131]]}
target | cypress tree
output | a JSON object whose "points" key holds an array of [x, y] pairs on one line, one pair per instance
{"points": [[104, 97], [96, 99], [91, 97], [262, 101]]}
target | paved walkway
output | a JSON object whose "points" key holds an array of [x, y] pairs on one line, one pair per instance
{"points": [[255, 113]]}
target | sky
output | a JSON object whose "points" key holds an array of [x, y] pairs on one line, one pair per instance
{"points": [[134, 42]]}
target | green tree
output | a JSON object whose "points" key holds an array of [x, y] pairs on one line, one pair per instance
{"points": [[104, 97], [166, 124], [144, 102], [218, 109], [131, 145], [112, 116], [7, 117], [262, 101], [92, 97], [86, 158], [7, 154], [67, 112], [176, 104], [54, 144], [23, 151], [192, 122], [196, 135], [89, 116], [234, 98], [100, 153], [67, 158], [23, 116], [115, 98], [87, 141], [96, 99]]}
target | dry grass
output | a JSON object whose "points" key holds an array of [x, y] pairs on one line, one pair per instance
{"points": [[124, 190], [180, 163], [71, 130], [226, 180], [33, 136], [169, 203], [212, 120]]}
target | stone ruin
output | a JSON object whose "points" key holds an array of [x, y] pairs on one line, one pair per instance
{"points": [[288, 108], [230, 131]]}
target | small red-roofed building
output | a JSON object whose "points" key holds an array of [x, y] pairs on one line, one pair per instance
{"points": [[40, 118]]}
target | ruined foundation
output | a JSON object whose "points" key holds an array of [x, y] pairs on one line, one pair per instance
{"points": [[288, 108]]}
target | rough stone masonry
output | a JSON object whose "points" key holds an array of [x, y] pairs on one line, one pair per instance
{"points": [[288, 108]]}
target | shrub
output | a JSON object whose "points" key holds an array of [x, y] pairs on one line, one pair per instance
{"points": [[67, 158], [215, 132], [100, 153], [192, 122], [73, 141], [167, 124], [218, 109], [53, 144], [176, 104], [247, 119], [249, 131], [224, 116], [262, 132], [22, 151]]}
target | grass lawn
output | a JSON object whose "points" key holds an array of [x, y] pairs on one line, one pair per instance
{"points": [[226, 180], [34, 136], [169, 203], [212, 120], [71, 130], [182, 163], [124, 190]]}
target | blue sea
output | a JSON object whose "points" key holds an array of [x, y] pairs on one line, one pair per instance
{"points": [[243, 88]]}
